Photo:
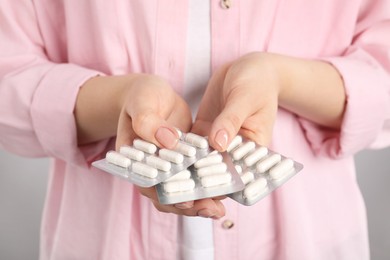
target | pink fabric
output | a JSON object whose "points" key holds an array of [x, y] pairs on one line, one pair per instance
{"points": [[49, 48]]}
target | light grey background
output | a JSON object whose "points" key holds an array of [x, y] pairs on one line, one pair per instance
{"points": [[23, 186]]}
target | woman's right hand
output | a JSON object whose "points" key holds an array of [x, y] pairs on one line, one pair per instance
{"points": [[152, 110], [144, 106], [128, 106]]}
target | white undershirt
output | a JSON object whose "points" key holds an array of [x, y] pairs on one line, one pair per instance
{"points": [[198, 53], [195, 238]]}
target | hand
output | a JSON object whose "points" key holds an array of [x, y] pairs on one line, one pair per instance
{"points": [[241, 97], [128, 106], [151, 110], [207, 208]]}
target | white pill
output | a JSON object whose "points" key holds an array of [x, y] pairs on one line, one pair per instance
{"points": [[179, 186], [212, 169], [144, 146], [234, 143], [247, 177], [144, 170], [208, 160], [118, 159], [171, 156], [243, 150], [282, 169], [158, 163], [268, 162], [196, 140], [185, 149], [255, 156], [213, 153], [216, 180], [183, 175], [132, 153], [255, 188], [179, 132]]}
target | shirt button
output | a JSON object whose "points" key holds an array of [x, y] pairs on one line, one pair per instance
{"points": [[227, 224], [226, 4]]}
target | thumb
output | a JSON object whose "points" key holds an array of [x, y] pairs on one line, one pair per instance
{"points": [[226, 125], [148, 126], [256, 125], [241, 114]]}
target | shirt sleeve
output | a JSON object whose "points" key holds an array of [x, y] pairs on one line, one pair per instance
{"points": [[365, 70], [37, 96]]}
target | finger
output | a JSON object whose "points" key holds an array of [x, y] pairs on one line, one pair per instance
{"points": [[222, 197], [211, 103], [259, 127], [125, 132], [157, 130], [201, 127], [210, 209], [181, 117], [207, 208], [151, 126], [151, 101], [238, 108], [185, 205], [150, 192]]}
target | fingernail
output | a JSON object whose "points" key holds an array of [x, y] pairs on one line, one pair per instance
{"points": [[166, 137], [205, 213], [221, 139], [185, 205]]}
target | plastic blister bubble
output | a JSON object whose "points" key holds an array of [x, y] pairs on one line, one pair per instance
{"points": [[263, 170], [193, 152], [197, 190]]}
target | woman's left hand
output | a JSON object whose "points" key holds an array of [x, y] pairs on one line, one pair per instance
{"points": [[241, 97]]}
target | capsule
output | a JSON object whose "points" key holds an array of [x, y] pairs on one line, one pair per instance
{"points": [[255, 188], [179, 186], [171, 156], [243, 150], [282, 169], [158, 163], [268, 163], [212, 169], [237, 140], [144, 146], [247, 177], [216, 180], [209, 160], [185, 149], [255, 156], [132, 153], [183, 175], [196, 140], [118, 159], [144, 170], [179, 132]]}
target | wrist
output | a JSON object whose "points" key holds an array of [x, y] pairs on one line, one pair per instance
{"points": [[310, 88], [98, 106], [272, 71], [280, 73]]}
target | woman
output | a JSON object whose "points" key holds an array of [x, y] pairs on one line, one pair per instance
{"points": [[301, 78]]}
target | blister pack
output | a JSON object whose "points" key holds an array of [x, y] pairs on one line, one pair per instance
{"points": [[261, 170], [145, 165], [211, 176]]}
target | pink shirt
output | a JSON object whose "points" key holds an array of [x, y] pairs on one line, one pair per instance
{"points": [[49, 48]]}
